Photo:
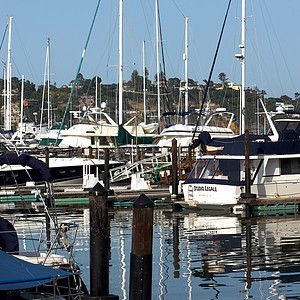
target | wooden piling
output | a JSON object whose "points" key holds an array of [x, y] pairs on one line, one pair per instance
{"points": [[174, 169], [99, 241], [140, 285], [247, 193], [249, 255], [176, 248], [138, 153], [106, 169], [47, 156], [247, 164], [190, 154]]}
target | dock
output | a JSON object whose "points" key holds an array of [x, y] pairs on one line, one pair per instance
{"points": [[31, 198], [267, 206]]}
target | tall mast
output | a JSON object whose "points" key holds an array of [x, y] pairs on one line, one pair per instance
{"points": [[48, 86], [44, 87], [120, 62], [157, 65], [96, 100], [144, 83], [22, 104], [242, 46], [186, 57], [241, 58], [4, 94], [7, 117]]}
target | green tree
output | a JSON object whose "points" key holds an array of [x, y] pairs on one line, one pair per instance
{"points": [[162, 76], [285, 98], [223, 79]]}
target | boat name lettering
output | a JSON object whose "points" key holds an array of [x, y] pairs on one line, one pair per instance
{"points": [[205, 188]]}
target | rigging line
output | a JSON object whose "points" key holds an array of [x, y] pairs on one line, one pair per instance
{"points": [[261, 63], [197, 54], [112, 35], [178, 8], [79, 67], [30, 65], [280, 48], [256, 44], [211, 71], [271, 48], [146, 19], [163, 57], [3, 36], [15, 66]]}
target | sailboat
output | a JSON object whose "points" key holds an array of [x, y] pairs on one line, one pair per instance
{"points": [[220, 181], [219, 124], [37, 267]]}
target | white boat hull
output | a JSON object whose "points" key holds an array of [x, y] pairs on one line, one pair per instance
{"points": [[211, 195]]}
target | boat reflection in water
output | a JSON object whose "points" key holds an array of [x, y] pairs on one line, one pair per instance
{"points": [[204, 255], [257, 257]]}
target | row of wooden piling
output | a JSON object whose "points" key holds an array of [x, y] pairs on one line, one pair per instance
{"points": [[141, 248], [140, 286]]}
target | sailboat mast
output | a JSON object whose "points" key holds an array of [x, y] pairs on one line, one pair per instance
{"points": [[186, 70], [48, 86], [7, 118], [120, 62], [96, 100], [22, 105], [4, 94], [242, 46], [157, 65], [46, 72], [144, 83]]}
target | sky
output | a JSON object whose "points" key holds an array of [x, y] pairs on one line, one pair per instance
{"points": [[272, 40]]}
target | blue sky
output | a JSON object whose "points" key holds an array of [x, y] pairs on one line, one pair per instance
{"points": [[272, 43]]}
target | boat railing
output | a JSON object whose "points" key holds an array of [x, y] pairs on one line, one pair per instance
{"points": [[143, 166]]}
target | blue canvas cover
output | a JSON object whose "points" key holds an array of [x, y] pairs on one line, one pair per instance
{"points": [[11, 158], [8, 237], [18, 274]]}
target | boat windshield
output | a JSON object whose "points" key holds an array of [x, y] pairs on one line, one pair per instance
{"points": [[287, 125], [222, 119], [222, 169]]}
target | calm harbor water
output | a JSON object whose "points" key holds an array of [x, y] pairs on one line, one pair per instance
{"points": [[203, 255]]}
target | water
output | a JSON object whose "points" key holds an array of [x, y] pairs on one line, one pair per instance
{"points": [[202, 255]]}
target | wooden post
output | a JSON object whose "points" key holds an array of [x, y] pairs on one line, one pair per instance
{"points": [[153, 151], [99, 245], [247, 193], [138, 153], [47, 156], [247, 164], [249, 254], [174, 169], [99, 241], [106, 169], [175, 248], [190, 154], [140, 285]]}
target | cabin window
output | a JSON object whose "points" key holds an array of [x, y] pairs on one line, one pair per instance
{"points": [[226, 169], [198, 169], [290, 166], [92, 140], [292, 126]]}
